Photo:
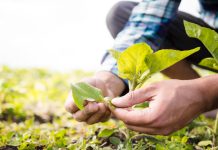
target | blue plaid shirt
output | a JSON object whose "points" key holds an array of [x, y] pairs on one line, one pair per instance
{"points": [[148, 23]]}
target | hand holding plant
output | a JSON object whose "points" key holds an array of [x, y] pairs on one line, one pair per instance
{"points": [[136, 64], [86, 101], [93, 112], [172, 105]]}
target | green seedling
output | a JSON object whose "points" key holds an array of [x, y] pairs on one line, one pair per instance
{"points": [[105, 133], [136, 64], [139, 62], [209, 38]]}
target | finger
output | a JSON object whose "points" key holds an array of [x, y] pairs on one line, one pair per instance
{"points": [[134, 97], [88, 111], [152, 131], [106, 117], [70, 105], [133, 117], [97, 116]]}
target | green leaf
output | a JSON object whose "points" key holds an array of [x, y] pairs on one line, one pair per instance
{"points": [[131, 63], [163, 59], [160, 147], [116, 54], [106, 132], [210, 63], [184, 139], [82, 91], [207, 36], [141, 105], [205, 143], [114, 140]]}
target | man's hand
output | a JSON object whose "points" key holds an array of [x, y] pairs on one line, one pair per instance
{"points": [[93, 112], [172, 105]]}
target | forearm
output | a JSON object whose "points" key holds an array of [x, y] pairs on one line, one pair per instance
{"points": [[181, 70], [112, 82], [209, 88]]}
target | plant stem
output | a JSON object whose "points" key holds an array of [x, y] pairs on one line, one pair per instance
{"points": [[143, 81], [107, 102], [132, 85]]}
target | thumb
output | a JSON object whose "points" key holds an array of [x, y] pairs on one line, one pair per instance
{"points": [[134, 97]]}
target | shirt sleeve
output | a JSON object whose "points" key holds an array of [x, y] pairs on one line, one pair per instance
{"points": [[147, 23]]}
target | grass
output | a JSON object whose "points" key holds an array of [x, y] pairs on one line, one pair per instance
{"points": [[32, 116]]}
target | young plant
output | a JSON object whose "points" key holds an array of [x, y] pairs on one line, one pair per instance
{"points": [[139, 62], [209, 38], [136, 64]]}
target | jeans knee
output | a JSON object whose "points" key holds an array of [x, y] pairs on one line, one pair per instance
{"points": [[113, 14]]}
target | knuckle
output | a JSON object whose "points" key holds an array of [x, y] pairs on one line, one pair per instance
{"points": [[93, 120], [90, 108], [87, 110], [79, 116], [130, 97], [102, 108], [70, 106]]}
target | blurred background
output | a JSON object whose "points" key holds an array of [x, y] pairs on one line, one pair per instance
{"points": [[59, 35]]}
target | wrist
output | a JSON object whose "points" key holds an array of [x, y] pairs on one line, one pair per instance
{"points": [[209, 89], [112, 83]]}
